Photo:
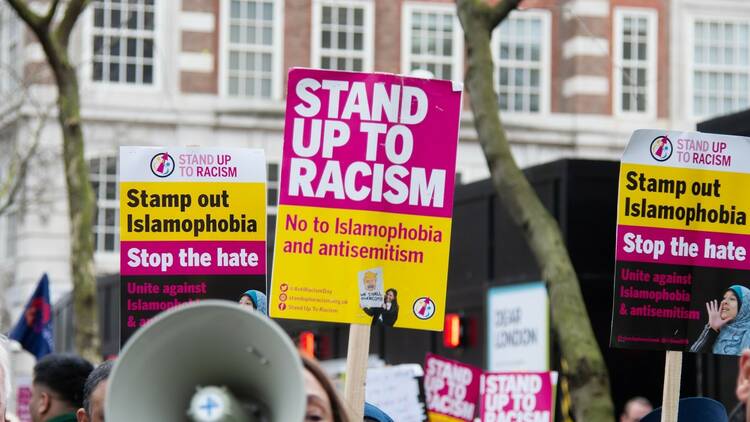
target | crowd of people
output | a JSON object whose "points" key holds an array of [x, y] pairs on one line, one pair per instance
{"points": [[67, 388]]}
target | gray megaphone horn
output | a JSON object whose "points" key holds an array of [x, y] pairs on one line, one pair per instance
{"points": [[211, 361]]}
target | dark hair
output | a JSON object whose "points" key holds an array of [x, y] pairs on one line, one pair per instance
{"points": [[338, 406], [101, 373], [65, 374], [395, 295]]}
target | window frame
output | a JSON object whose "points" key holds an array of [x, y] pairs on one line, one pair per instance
{"points": [[689, 46], [104, 203], [544, 62], [652, 57], [277, 55], [457, 56], [162, 48], [368, 41]]}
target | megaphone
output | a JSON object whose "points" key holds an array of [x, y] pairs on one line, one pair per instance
{"points": [[209, 361]]}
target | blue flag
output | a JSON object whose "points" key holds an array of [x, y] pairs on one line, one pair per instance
{"points": [[34, 328]]}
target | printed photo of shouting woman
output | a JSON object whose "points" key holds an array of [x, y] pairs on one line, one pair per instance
{"points": [[728, 329]]}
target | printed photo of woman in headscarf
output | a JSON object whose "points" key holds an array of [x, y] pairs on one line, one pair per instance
{"points": [[254, 300], [388, 313], [728, 329]]}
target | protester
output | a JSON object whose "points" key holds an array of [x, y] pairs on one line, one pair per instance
{"points": [[693, 409], [4, 379], [728, 329], [388, 313], [323, 401], [374, 414], [255, 300], [739, 414], [94, 393], [635, 409], [57, 387]]}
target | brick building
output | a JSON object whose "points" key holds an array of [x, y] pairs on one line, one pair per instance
{"points": [[575, 78]]}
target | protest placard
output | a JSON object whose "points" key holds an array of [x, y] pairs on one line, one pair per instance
{"points": [[395, 390], [23, 399], [366, 184], [518, 328], [516, 396], [451, 389], [681, 271], [192, 227]]}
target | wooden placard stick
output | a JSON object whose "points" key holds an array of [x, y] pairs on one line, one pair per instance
{"points": [[671, 394], [356, 369]]}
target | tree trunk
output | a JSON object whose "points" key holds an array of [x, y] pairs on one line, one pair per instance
{"points": [[588, 374], [54, 36], [81, 206]]}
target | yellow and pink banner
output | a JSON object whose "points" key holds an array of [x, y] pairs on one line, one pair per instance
{"points": [[192, 227], [682, 266], [366, 199]]}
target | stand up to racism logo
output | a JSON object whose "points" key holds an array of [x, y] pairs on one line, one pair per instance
{"points": [[162, 164], [661, 148]]}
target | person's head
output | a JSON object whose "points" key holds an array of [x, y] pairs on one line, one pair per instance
{"points": [[94, 394], [57, 387], [374, 414], [730, 303], [254, 300], [635, 409], [371, 281], [743, 377], [323, 401], [4, 379], [390, 296]]}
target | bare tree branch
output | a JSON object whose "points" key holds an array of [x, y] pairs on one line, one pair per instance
{"points": [[588, 374], [17, 175], [34, 21], [50, 13], [65, 27], [500, 11], [81, 200]]}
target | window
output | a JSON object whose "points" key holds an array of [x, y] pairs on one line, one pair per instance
{"points": [[721, 67], [123, 41], [272, 187], [433, 40], [635, 66], [10, 34], [520, 48], [103, 174], [252, 67], [342, 35], [11, 233]]}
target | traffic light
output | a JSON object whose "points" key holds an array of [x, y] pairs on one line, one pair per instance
{"points": [[315, 344], [459, 330], [307, 343], [452, 331]]}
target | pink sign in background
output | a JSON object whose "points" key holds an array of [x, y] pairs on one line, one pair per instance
{"points": [[434, 147], [516, 396], [451, 387], [23, 400]]}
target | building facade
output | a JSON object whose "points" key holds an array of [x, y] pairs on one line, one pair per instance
{"points": [[574, 78]]}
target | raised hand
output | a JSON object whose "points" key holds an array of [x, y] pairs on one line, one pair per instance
{"points": [[714, 316]]}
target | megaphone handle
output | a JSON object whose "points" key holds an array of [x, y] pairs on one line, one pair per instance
{"points": [[356, 369]]}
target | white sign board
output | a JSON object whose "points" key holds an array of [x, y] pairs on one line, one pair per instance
{"points": [[395, 391], [518, 328]]}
